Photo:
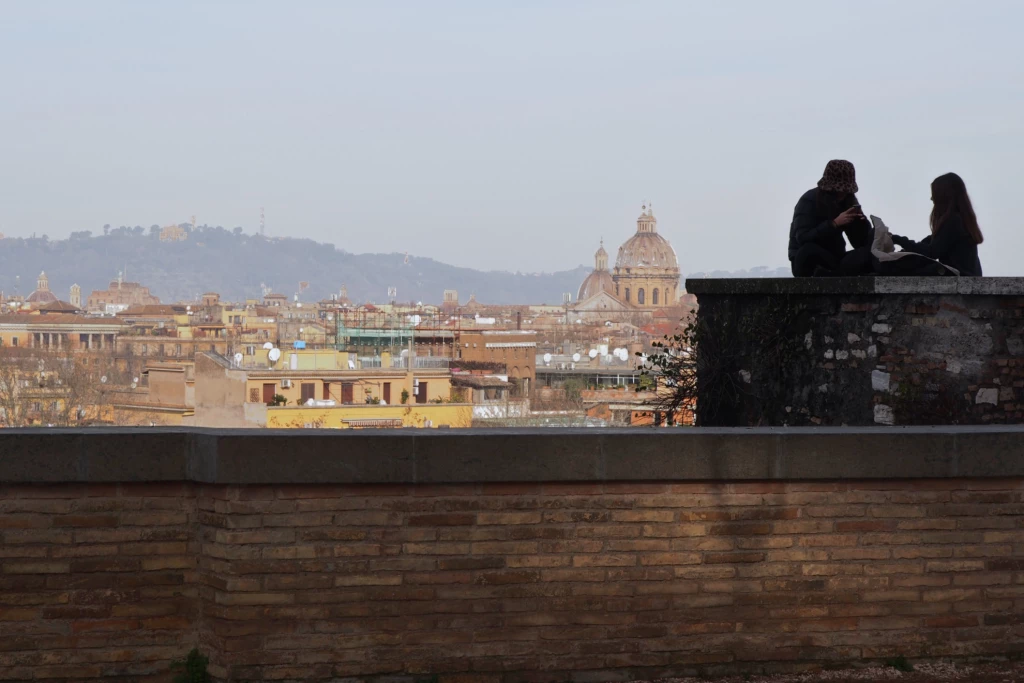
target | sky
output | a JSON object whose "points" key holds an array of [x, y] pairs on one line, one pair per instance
{"points": [[508, 135]]}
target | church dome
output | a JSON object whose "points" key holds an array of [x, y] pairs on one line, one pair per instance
{"points": [[646, 248], [42, 295], [598, 281]]}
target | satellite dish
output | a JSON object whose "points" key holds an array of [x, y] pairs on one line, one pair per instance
{"points": [[547, 357], [274, 355], [576, 358], [103, 379], [592, 353], [238, 359], [135, 379], [301, 330], [268, 345], [134, 385]]}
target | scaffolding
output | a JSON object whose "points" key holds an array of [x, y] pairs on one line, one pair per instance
{"points": [[371, 333]]}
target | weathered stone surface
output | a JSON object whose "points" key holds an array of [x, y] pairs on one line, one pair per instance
{"points": [[238, 457], [927, 350]]}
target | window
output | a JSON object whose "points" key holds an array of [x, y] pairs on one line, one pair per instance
{"points": [[308, 391], [254, 395], [654, 297], [640, 295], [14, 341], [421, 394], [250, 350], [627, 295], [145, 349], [177, 349]]}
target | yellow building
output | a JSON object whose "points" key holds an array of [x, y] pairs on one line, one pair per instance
{"points": [[370, 416], [173, 233], [332, 388]]}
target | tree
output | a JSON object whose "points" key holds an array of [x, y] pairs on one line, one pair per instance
{"points": [[671, 371], [237, 232], [106, 229], [154, 231], [40, 387]]}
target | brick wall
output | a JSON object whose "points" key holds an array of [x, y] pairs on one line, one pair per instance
{"points": [[513, 582], [862, 351], [96, 581]]}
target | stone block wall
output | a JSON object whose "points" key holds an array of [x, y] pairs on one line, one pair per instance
{"points": [[863, 351]]}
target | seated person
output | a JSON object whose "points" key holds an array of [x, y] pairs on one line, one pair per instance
{"points": [[955, 233], [821, 218]]}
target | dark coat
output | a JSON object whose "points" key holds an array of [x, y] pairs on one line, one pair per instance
{"points": [[951, 244], [813, 224]]}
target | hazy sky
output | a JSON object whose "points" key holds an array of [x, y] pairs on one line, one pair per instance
{"points": [[508, 135]]}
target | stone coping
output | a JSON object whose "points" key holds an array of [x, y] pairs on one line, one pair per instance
{"points": [[985, 286], [420, 456]]}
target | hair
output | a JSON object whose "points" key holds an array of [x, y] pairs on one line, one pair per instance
{"points": [[949, 196], [832, 203]]}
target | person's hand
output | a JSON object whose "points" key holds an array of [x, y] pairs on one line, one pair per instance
{"points": [[848, 216]]}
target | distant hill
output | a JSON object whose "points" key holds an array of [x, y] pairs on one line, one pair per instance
{"points": [[234, 265]]}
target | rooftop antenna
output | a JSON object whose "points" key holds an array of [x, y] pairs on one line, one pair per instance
{"points": [[263, 230]]}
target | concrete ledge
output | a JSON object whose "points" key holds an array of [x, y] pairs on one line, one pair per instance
{"points": [[990, 286], [524, 455]]}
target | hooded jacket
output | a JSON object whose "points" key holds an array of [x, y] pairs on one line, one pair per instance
{"points": [[812, 225]]}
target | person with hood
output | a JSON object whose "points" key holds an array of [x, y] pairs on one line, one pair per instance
{"points": [[955, 233], [822, 217]]}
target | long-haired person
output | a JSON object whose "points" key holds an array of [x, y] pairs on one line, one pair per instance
{"points": [[955, 233], [822, 216]]}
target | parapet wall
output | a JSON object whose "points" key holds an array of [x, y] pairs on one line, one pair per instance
{"points": [[860, 351], [506, 556]]}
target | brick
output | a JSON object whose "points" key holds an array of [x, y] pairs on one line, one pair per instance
{"points": [[442, 519], [505, 548], [253, 598], [604, 560], [670, 558], [740, 529], [892, 596], [733, 558], [955, 566], [36, 567], [866, 525], [504, 518], [499, 578], [87, 521], [661, 516], [673, 530], [829, 540], [564, 575], [368, 580], [436, 548]]}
